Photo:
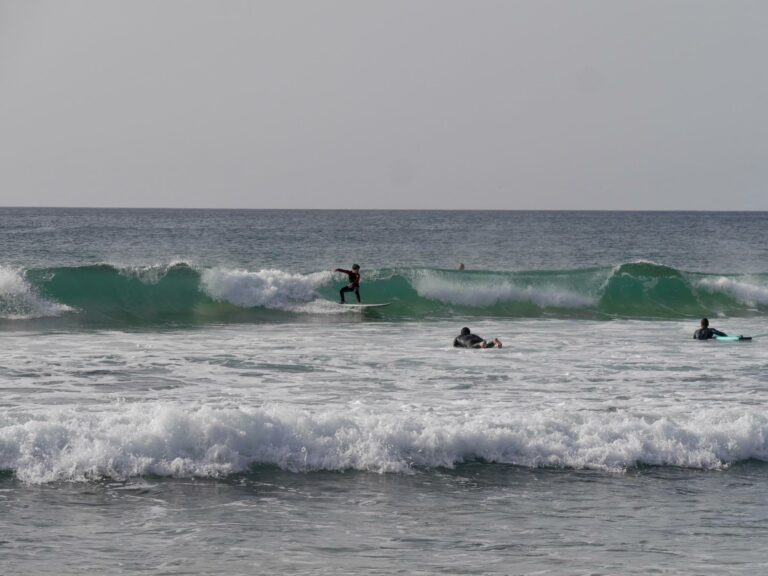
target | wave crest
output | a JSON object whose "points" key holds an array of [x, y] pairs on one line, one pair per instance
{"points": [[745, 290]]}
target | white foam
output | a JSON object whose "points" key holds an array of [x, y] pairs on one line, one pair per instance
{"points": [[268, 288], [746, 292], [495, 291], [19, 301], [170, 440]]}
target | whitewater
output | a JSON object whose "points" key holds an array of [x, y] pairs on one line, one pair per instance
{"points": [[120, 406], [182, 394]]}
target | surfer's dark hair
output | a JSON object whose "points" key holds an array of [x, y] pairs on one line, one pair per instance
{"points": [[355, 266], [464, 331], [704, 322]]}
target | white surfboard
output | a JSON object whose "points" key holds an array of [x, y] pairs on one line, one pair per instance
{"points": [[366, 305]]}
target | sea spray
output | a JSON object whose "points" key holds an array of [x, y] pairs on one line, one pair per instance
{"points": [[19, 300]]}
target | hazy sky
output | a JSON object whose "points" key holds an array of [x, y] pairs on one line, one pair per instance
{"points": [[527, 104]]}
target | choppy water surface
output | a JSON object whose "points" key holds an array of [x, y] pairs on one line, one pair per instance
{"points": [[472, 520], [179, 396]]}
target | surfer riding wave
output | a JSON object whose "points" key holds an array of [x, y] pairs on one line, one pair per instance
{"points": [[354, 282]]}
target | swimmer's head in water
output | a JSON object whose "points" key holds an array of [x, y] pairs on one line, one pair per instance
{"points": [[704, 322], [355, 266], [464, 331]]}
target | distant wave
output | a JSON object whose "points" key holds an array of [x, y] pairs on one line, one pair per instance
{"points": [[180, 293], [126, 441]]}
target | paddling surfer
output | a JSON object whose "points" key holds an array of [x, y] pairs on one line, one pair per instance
{"points": [[705, 332], [468, 340]]}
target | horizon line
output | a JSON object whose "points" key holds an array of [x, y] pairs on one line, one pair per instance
{"points": [[20, 207]]}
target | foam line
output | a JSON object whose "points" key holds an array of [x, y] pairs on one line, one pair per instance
{"points": [[172, 440]]}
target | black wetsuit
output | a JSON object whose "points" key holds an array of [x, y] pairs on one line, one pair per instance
{"points": [[707, 333], [471, 341], [353, 286]]}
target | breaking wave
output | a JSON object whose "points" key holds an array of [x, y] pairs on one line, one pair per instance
{"points": [[19, 300], [180, 293], [126, 441]]}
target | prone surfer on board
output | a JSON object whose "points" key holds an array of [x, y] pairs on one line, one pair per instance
{"points": [[705, 332], [354, 282], [468, 340]]}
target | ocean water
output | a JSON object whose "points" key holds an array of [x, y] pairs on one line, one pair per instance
{"points": [[181, 394]]}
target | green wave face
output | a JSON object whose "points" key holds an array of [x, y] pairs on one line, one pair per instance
{"points": [[103, 294], [105, 291], [181, 294], [645, 289]]}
